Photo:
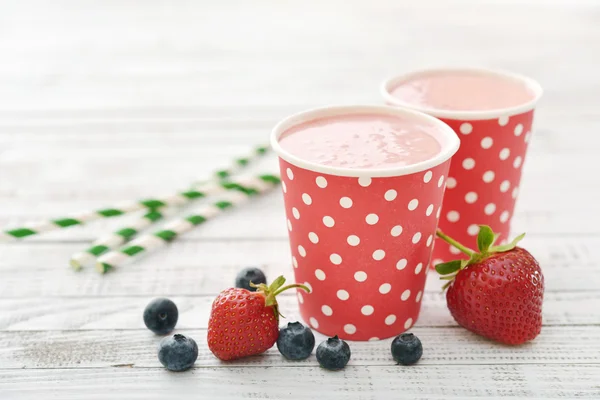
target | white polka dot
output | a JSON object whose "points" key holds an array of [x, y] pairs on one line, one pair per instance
{"points": [[502, 121], [515, 192], [527, 137], [468, 163], [408, 323], [418, 268], [367, 310], [471, 197], [320, 274], [335, 259], [396, 231], [441, 181], [385, 288], [400, 265], [328, 221], [346, 202], [306, 199], [290, 174], [405, 295], [350, 329], [360, 276], [453, 216], [487, 142], [302, 251], [309, 286], [390, 319], [504, 216], [504, 153], [453, 250], [378, 255], [294, 262], [466, 128], [416, 237], [326, 310], [418, 298], [450, 183], [295, 213], [321, 182], [504, 186], [284, 187], [353, 240], [439, 211], [429, 240], [413, 204], [517, 162], [313, 322], [364, 181], [300, 298], [313, 237], [429, 210], [489, 209], [518, 129], [289, 224], [488, 176], [390, 195], [343, 295], [427, 176], [473, 230], [372, 219]]}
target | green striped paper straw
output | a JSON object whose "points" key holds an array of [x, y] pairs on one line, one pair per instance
{"points": [[175, 229], [174, 200], [240, 163]]}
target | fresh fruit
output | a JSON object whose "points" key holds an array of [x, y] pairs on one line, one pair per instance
{"points": [[244, 323], [296, 341], [406, 349], [160, 316], [177, 352], [250, 275], [496, 293], [333, 354]]}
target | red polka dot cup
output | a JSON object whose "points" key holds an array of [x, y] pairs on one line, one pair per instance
{"points": [[361, 238], [485, 174]]}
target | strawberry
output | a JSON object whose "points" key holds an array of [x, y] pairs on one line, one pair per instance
{"points": [[244, 323], [497, 293]]}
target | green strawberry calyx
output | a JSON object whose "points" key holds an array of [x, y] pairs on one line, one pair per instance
{"points": [[276, 287], [485, 243]]}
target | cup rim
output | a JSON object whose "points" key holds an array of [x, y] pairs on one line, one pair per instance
{"points": [[472, 115], [449, 140]]}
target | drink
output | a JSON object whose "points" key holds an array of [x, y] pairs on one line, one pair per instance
{"points": [[492, 112], [362, 188]]}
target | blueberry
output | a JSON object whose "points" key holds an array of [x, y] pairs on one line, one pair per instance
{"points": [[177, 352], [247, 275], [407, 349], [333, 354], [295, 341], [160, 316]]}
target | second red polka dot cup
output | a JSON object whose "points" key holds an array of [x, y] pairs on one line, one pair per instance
{"points": [[483, 182], [361, 239]]}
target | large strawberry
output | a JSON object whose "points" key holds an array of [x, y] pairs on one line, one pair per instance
{"points": [[244, 323], [497, 292]]}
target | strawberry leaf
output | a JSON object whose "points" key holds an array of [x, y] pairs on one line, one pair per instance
{"points": [[485, 238], [448, 267], [276, 284], [508, 246]]}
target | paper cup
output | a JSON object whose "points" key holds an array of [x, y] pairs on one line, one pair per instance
{"points": [[361, 238], [485, 174]]}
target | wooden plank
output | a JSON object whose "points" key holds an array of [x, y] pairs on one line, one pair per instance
{"points": [[419, 382], [442, 346], [123, 313]]}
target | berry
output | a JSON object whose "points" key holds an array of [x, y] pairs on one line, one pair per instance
{"points": [[406, 349], [498, 292], [296, 341], [177, 352], [250, 275], [244, 323], [333, 354], [160, 316]]}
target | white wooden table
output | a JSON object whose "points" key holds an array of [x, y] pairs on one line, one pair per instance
{"points": [[107, 101]]}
